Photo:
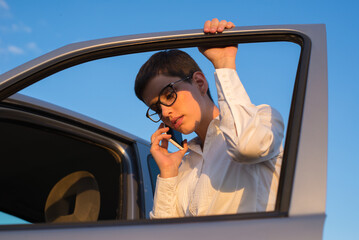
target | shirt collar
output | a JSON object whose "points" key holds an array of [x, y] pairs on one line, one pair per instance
{"points": [[194, 144]]}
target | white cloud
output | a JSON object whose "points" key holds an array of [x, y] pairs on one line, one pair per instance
{"points": [[29, 48], [15, 50], [32, 46], [15, 28], [10, 24], [4, 5], [20, 27]]}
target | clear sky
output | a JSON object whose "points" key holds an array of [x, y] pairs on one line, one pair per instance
{"points": [[31, 28]]}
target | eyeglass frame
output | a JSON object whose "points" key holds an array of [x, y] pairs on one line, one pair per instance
{"points": [[159, 98]]}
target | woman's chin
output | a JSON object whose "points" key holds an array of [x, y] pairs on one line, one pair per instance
{"points": [[185, 131]]}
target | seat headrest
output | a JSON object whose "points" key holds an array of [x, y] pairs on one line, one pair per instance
{"points": [[75, 198]]}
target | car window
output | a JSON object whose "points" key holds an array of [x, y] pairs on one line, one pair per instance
{"points": [[49, 175], [103, 89], [268, 72], [6, 219]]}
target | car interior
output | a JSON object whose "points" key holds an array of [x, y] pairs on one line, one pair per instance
{"points": [[50, 176]]}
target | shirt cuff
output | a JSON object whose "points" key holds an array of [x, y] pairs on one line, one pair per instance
{"points": [[164, 204]]}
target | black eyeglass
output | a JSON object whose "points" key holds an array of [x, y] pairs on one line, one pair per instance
{"points": [[167, 97]]}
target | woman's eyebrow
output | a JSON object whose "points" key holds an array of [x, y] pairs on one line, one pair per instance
{"points": [[154, 100]]}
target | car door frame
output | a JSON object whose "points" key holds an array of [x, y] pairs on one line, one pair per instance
{"points": [[302, 189]]}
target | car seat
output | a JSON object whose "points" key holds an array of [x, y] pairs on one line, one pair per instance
{"points": [[75, 198]]}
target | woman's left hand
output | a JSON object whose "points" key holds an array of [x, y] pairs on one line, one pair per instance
{"points": [[221, 57]]}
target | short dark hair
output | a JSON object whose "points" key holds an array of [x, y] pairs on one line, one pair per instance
{"points": [[174, 63]]}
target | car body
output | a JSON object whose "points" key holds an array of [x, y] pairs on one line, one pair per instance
{"points": [[42, 143]]}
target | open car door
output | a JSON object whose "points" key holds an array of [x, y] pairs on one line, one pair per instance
{"points": [[300, 206]]}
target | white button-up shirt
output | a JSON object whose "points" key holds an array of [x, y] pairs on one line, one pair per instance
{"points": [[238, 168]]}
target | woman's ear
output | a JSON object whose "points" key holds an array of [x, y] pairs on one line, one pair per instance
{"points": [[200, 81]]}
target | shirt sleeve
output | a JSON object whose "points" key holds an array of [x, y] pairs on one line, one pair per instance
{"points": [[253, 133], [165, 199]]}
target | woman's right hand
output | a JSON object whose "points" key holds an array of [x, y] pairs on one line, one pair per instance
{"points": [[167, 162]]}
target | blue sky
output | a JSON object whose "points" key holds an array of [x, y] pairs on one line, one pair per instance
{"points": [[31, 28]]}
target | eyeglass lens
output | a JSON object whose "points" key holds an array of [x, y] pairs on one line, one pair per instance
{"points": [[167, 97]]}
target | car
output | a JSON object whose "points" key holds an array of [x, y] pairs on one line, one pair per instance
{"points": [[72, 176]]}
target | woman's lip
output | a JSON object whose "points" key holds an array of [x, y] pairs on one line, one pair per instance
{"points": [[178, 122]]}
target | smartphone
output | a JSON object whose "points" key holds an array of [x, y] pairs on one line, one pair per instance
{"points": [[176, 138]]}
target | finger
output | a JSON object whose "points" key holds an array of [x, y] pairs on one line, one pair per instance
{"points": [[162, 125], [158, 132], [164, 142], [185, 146], [230, 25], [207, 26], [221, 26], [214, 25], [160, 138]]}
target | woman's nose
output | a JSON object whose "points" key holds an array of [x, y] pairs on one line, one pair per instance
{"points": [[166, 111]]}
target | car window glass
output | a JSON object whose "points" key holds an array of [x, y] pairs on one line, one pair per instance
{"points": [[7, 219], [267, 71], [103, 89], [53, 176]]}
